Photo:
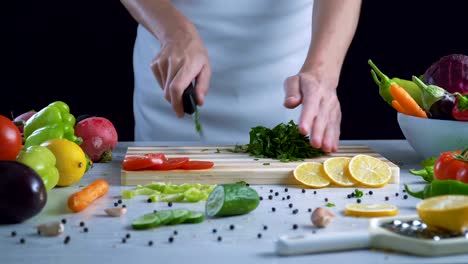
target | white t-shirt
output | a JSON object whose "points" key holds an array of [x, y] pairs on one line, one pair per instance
{"points": [[253, 47]]}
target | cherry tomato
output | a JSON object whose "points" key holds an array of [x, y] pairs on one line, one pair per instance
{"points": [[132, 163], [10, 139], [452, 165], [171, 164], [197, 165]]}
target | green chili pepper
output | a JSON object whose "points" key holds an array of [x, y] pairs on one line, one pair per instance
{"points": [[52, 121], [384, 83], [439, 187]]}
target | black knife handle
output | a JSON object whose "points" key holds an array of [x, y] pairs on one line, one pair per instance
{"points": [[189, 99]]}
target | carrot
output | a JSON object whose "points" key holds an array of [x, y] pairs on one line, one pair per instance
{"points": [[398, 107], [406, 101], [80, 200]]}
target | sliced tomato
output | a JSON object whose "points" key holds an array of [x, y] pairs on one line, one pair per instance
{"points": [[158, 158], [197, 165], [171, 164], [132, 163]]}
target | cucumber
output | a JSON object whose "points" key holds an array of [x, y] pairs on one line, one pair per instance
{"points": [[179, 216], [146, 221], [195, 217], [231, 199], [165, 216]]}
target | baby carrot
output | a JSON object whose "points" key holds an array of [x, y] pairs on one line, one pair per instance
{"points": [[398, 107], [406, 101], [78, 201]]}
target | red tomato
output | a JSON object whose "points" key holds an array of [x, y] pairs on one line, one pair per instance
{"points": [[171, 164], [452, 165], [197, 165], [158, 158], [132, 163], [10, 139]]}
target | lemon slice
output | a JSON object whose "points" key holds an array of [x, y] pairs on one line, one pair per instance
{"points": [[449, 212], [336, 169], [311, 174], [370, 210], [369, 171]]}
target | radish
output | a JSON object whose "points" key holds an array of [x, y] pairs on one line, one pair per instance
{"points": [[99, 138]]}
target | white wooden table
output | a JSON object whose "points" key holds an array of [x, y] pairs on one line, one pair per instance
{"points": [[197, 243]]}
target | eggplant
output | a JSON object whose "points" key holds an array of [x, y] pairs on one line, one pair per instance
{"points": [[22, 192], [442, 109]]}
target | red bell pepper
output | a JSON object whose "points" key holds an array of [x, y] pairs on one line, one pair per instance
{"points": [[460, 109]]}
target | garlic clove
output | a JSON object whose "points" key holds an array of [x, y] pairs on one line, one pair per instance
{"points": [[51, 229], [321, 217], [115, 211]]}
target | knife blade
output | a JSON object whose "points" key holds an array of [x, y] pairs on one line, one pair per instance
{"points": [[189, 102]]}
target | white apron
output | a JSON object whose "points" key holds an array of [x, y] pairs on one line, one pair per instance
{"points": [[253, 46]]}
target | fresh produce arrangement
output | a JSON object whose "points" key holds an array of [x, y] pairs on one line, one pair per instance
{"points": [[440, 93]]}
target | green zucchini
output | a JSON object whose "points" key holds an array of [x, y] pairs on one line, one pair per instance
{"points": [[165, 216], [146, 221], [231, 199]]}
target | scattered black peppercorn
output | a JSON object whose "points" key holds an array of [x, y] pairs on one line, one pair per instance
{"points": [[169, 204], [396, 194], [288, 197], [124, 240], [271, 190], [358, 200], [64, 221], [405, 196], [171, 239], [123, 206], [119, 201], [13, 233], [265, 227], [273, 209], [85, 230], [175, 232], [127, 235], [326, 199], [116, 204], [247, 184], [67, 239], [371, 192], [220, 238], [295, 211], [270, 197], [231, 227], [22, 240], [295, 226], [309, 210], [349, 196], [261, 198], [149, 200], [150, 243], [404, 190], [259, 235], [276, 193], [283, 199], [81, 223], [285, 189], [214, 230], [303, 190], [290, 205], [315, 192], [155, 211], [386, 198]]}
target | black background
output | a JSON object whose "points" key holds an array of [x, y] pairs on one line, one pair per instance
{"points": [[81, 52]]}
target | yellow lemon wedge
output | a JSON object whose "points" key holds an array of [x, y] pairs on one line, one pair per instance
{"points": [[311, 174], [336, 169], [369, 171], [448, 212], [370, 210]]}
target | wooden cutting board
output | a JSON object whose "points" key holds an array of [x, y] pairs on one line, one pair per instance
{"points": [[232, 167]]}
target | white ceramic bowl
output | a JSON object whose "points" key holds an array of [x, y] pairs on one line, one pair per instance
{"points": [[430, 137]]}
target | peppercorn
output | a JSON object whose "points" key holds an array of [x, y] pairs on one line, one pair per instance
{"points": [[124, 206], [309, 210], [247, 184], [405, 196], [265, 227], [85, 230], [286, 189], [116, 204], [371, 192], [231, 227], [64, 221], [283, 199], [290, 205], [358, 200], [404, 190], [13, 233], [124, 240], [155, 211], [386, 198], [171, 239], [273, 209], [303, 190], [295, 226], [22, 241], [276, 193], [271, 190], [295, 211], [175, 232], [326, 199], [119, 201], [149, 200], [261, 198], [67, 239], [349, 196], [315, 192], [288, 197], [270, 197], [396, 194], [220, 238], [150, 243], [127, 235], [214, 230], [169, 204], [81, 223], [259, 235]]}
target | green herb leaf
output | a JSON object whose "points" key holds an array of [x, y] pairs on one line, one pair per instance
{"points": [[358, 193], [330, 204], [266, 163]]}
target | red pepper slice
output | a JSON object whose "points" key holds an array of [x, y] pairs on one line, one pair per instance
{"points": [[170, 164], [197, 165], [132, 163]]}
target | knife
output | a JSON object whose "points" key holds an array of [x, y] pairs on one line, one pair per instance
{"points": [[189, 102]]}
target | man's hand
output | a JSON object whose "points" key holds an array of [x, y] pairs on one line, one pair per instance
{"points": [[181, 60], [321, 112]]}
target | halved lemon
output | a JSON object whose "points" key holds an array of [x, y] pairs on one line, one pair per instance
{"points": [[311, 174], [369, 171], [336, 169], [449, 212], [370, 210]]}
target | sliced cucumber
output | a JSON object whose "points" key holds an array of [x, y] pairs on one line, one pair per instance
{"points": [[146, 221], [231, 199], [165, 216], [179, 216], [195, 217]]}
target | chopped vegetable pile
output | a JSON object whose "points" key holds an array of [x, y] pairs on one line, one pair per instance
{"points": [[166, 192]]}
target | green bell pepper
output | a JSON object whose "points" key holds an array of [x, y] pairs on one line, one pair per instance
{"points": [[53, 121], [43, 161]]}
